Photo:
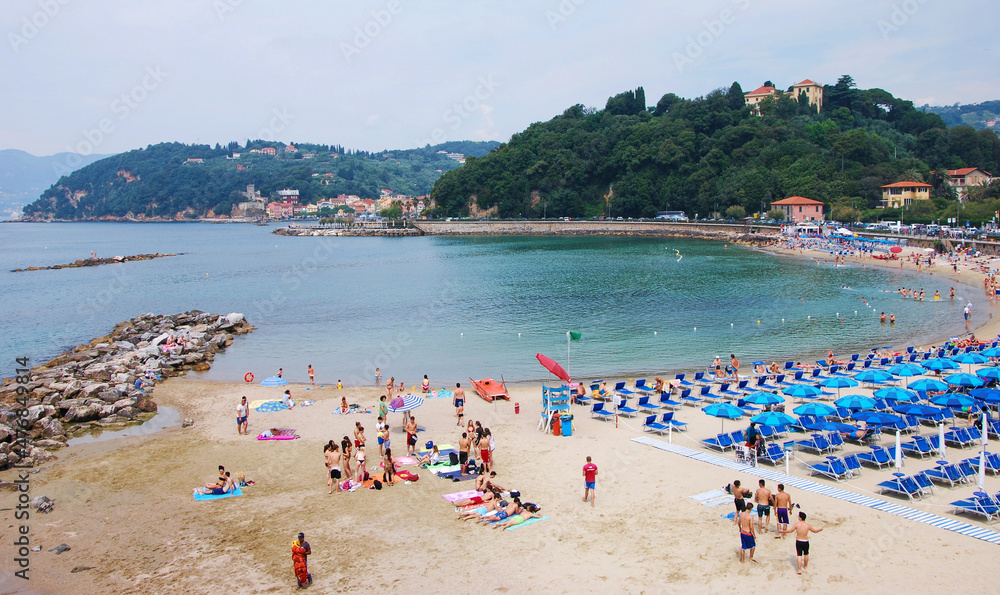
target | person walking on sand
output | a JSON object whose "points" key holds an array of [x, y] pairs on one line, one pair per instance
{"points": [[242, 417], [378, 377], [312, 375], [383, 408], [763, 498], [782, 504], [590, 482], [411, 435], [458, 399], [734, 362], [281, 371], [802, 530], [332, 454], [360, 457], [464, 447], [748, 539], [300, 560]]}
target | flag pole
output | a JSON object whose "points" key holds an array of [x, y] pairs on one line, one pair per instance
{"points": [[567, 355]]}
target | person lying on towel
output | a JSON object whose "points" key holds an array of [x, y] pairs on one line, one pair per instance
{"points": [[217, 489], [529, 511]]}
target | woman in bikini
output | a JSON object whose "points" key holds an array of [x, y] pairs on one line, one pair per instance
{"points": [[425, 384], [389, 468], [347, 448]]}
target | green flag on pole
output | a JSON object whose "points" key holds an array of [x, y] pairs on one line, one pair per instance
{"points": [[573, 336]]}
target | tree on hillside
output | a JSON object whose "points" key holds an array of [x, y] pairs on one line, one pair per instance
{"points": [[735, 97], [665, 103]]}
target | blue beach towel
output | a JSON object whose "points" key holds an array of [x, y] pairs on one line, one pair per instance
{"points": [[233, 494], [530, 521]]}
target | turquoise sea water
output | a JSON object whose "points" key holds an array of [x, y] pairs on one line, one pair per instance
{"points": [[455, 307]]}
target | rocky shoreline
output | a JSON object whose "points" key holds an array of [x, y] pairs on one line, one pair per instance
{"points": [[93, 262], [94, 384]]}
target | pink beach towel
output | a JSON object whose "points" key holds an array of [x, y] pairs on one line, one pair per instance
{"points": [[278, 434]]}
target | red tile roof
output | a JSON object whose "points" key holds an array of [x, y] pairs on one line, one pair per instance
{"points": [[907, 185], [797, 200], [965, 171], [807, 82], [763, 91]]}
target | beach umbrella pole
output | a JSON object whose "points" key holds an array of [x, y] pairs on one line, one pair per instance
{"points": [[670, 433], [899, 455], [941, 450], [982, 457]]}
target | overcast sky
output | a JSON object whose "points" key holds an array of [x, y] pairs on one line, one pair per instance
{"points": [[399, 74]]}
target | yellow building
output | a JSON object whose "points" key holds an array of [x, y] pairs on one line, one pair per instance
{"points": [[813, 91], [904, 193]]}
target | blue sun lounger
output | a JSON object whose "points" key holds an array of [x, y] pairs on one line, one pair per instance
{"points": [[722, 442], [645, 405], [946, 474], [878, 457], [652, 425], [773, 454], [622, 391], [853, 464], [624, 409], [597, 410], [680, 379], [642, 387], [834, 468], [668, 419], [903, 486], [919, 446], [979, 505], [666, 402]]}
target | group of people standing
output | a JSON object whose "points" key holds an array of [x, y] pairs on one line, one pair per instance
{"points": [[764, 499]]}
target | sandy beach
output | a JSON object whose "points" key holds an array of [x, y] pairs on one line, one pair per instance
{"points": [[125, 508]]}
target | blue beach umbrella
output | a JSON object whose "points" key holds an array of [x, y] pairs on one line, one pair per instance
{"points": [[410, 402], [773, 419], [894, 393], [873, 376], [273, 381], [855, 402], [922, 410], [800, 391], [991, 352], [953, 400], [907, 370], [763, 398], [988, 373], [838, 382], [877, 418], [831, 426], [970, 358], [987, 395], [929, 384], [723, 411], [964, 379], [817, 409], [940, 363]]}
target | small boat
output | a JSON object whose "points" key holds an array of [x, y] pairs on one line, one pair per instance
{"points": [[490, 389]]}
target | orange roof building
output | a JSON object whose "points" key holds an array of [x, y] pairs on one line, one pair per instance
{"points": [[899, 194], [812, 90], [799, 209]]}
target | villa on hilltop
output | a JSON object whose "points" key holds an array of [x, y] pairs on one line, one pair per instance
{"points": [[904, 193], [812, 90]]}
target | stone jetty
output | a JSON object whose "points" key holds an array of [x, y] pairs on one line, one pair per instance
{"points": [[93, 262], [344, 231], [94, 384]]}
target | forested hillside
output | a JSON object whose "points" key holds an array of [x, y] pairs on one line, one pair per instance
{"points": [[160, 181], [706, 154], [978, 115]]}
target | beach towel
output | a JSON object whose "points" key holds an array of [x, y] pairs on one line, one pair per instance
{"points": [[337, 411], [442, 448], [456, 496], [306, 403], [457, 476], [714, 499], [444, 468], [407, 476], [236, 492], [259, 402], [278, 434], [440, 394], [530, 521], [405, 460]]}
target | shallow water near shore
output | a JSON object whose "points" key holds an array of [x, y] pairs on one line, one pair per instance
{"points": [[455, 307], [166, 417]]}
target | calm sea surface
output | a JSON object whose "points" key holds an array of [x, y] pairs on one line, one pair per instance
{"points": [[456, 307]]}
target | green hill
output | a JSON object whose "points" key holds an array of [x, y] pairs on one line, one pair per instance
{"points": [[978, 115], [24, 176], [161, 182], [711, 153]]}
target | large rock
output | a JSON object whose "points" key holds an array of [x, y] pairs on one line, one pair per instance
{"points": [[126, 412], [123, 403], [124, 345], [110, 396], [90, 391], [234, 318], [6, 433], [80, 413], [145, 405], [51, 427]]}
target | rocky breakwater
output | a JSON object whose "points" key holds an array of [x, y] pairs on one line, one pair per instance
{"points": [[93, 262], [95, 384]]}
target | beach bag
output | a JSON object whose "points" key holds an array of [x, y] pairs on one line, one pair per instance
{"points": [[377, 485], [453, 458], [407, 476], [413, 440]]}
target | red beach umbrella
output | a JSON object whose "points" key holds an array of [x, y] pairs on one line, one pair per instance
{"points": [[553, 366], [895, 249]]}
